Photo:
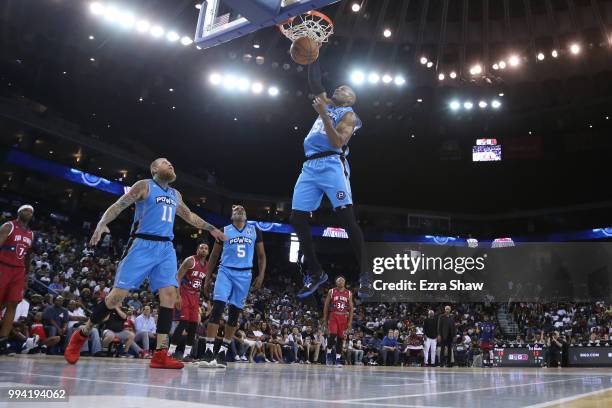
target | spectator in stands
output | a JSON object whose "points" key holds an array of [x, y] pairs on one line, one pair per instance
{"points": [[430, 327], [114, 328], [55, 319], [135, 302], [555, 347], [446, 335], [355, 349], [311, 346], [37, 328], [56, 287], [389, 347], [414, 349], [145, 328]]}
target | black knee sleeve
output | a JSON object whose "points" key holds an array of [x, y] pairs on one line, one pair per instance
{"points": [[232, 318], [99, 313], [331, 341], [348, 221], [164, 320], [191, 332], [217, 311]]}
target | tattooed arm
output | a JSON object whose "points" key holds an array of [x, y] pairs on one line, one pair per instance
{"points": [[193, 219], [138, 191]]}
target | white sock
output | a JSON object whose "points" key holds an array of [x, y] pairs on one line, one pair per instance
{"points": [[210, 346], [223, 349], [171, 349], [329, 351], [338, 356], [187, 351]]}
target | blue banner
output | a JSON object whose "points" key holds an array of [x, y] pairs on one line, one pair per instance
{"points": [[26, 160]]}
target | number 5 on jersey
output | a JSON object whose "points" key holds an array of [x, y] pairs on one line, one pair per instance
{"points": [[240, 250]]}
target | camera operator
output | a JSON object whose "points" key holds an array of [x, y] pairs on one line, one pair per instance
{"points": [[556, 346]]}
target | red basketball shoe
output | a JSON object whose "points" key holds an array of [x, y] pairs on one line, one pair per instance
{"points": [[161, 359], [73, 351]]}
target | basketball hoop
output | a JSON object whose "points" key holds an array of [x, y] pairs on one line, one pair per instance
{"points": [[313, 24]]}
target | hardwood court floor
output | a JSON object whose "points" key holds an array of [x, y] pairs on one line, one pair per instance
{"points": [[131, 383]]}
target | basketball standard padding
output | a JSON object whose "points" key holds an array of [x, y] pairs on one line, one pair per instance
{"points": [[304, 51]]}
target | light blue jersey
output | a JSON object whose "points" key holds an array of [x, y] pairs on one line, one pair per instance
{"points": [[239, 249], [324, 174], [317, 140], [150, 254], [155, 214], [235, 271]]}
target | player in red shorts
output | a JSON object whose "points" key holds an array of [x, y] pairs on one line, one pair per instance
{"points": [[15, 242], [191, 274], [339, 304]]}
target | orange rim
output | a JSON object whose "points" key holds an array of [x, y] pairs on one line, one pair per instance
{"points": [[312, 13]]}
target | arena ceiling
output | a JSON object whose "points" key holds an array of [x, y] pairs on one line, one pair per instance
{"points": [[155, 97]]}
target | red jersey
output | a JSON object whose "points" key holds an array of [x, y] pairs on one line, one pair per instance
{"points": [[340, 301], [192, 281], [16, 245]]}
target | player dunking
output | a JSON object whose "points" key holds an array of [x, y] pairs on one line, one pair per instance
{"points": [[233, 281], [326, 171], [15, 242], [191, 275], [339, 307], [149, 255]]}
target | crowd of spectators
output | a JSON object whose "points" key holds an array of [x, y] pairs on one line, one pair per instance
{"points": [[67, 278]]}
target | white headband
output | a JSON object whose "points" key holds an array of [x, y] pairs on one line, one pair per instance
{"points": [[25, 207]]}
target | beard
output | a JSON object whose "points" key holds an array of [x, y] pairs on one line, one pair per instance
{"points": [[168, 177], [239, 218], [24, 218]]}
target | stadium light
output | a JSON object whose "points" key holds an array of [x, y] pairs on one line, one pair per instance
{"points": [[467, 105], [453, 75], [357, 77], [356, 7], [96, 8], [399, 80], [441, 77], [495, 104], [502, 64], [273, 91], [387, 79], [423, 60], [198, 6], [429, 64], [554, 53], [476, 69], [157, 31], [229, 82], [257, 88], [575, 49], [514, 60], [496, 66], [243, 84], [111, 14], [143, 26], [172, 36], [186, 41], [126, 20], [373, 78], [215, 78], [541, 56], [455, 105], [482, 104], [387, 33]]}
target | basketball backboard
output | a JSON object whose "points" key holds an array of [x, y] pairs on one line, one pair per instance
{"points": [[224, 20]]}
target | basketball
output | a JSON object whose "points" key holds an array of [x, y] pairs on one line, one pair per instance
{"points": [[304, 51]]}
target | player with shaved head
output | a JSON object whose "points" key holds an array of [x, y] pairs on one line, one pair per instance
{"points": [[326, 172], [149, 255]]}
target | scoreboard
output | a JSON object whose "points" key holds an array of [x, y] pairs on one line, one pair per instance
{"points": [[518, 356]]}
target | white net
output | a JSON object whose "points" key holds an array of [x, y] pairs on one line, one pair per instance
{"points": [[311, 25]]}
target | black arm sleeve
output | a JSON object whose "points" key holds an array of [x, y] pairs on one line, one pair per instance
{"points": [[314, 78], [259, 237]]}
